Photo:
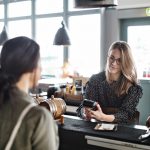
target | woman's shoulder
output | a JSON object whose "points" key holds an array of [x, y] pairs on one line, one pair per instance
{"points": [[38, 118], [135, 87], [136, 90], [98, 77], [40, 112]]}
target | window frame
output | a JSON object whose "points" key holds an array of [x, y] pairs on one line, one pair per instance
{"points": [[65, 15], [125, 23]]}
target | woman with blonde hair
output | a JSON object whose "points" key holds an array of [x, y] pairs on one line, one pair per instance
{"points": [[116, 90]]}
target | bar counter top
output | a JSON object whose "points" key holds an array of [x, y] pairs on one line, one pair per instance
{"points": [[76, 133]]}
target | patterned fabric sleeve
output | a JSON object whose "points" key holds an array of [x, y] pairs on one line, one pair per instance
{"points": [[94, 86], [91, 92], [128, 108], [91, 89], [98, 89]]}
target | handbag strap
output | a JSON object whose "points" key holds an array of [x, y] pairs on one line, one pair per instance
{"points": [[17, 126]]}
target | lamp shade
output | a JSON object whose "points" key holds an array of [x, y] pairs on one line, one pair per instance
{"points": [[61, 37], [3, 36]]}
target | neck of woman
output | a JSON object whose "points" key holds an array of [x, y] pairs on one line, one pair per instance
{"points": [[113, 77], [24, 83]]}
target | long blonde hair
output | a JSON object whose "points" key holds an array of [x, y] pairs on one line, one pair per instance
{"points": [[128, 70]]}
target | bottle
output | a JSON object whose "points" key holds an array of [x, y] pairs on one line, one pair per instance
{"points": [[78, 90], [67, 88], [73, 90], [63, 88], [148, 73], [144, 73]]}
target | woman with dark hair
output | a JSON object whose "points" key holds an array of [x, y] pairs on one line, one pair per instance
{"points": [[115, 90], [20, 71]]}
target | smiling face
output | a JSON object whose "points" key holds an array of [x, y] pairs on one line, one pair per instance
{"points": [[114, 62], [120, 63]]}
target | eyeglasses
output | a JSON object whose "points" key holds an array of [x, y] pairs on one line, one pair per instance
{"points": [[112, 60]]}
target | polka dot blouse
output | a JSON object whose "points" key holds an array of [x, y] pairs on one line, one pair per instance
{"points": [[98, 89]]}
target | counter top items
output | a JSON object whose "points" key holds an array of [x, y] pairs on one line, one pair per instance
{"points": [[106, 127], [145, 136], [56, 106], [51, 91], [89, 104], [80, 81], [69, 92], [84, 136], [39, 99]]}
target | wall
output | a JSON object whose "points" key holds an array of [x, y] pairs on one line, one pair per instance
{"points": [[110, 33], [124, 4]]}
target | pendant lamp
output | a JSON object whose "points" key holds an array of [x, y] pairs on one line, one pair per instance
{"points": [[3, 36], [61, 37]]}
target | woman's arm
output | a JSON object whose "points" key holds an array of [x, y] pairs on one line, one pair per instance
{"points": [[91, 94], [128, 108], [99, 115], [93, 90], [126, 111]]}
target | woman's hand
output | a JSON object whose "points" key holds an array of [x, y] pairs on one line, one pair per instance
{"points": [[98, 114], [148, 122], [89, 113]]}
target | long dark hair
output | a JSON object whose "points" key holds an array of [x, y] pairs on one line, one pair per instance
{"points": [[19, 55]]}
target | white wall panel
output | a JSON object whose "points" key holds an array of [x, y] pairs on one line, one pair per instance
{"points": [[125, 4]]}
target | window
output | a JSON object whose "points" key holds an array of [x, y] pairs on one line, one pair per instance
{"points": [[49, 6], [1, 28], [1, 11], [52, 56], [17, 9], [84, 29], [19, 28], [85, 48], [40, 20], [138, 39], [136, 32], [2, 22]]}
